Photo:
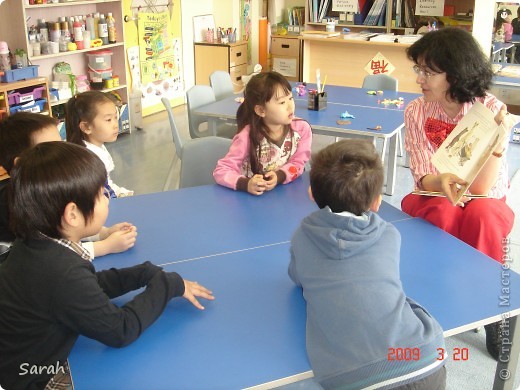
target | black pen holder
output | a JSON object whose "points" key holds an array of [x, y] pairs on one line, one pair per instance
{"points": [[317, 101]]}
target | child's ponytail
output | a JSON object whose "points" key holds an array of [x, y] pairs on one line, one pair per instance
{"points": [[82, 108]]}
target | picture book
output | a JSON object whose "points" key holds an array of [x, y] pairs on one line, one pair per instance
{"points": [[467, 148]]}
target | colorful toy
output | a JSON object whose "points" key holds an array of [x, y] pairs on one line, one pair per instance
{"points": [[346, 115], [301, 89]]}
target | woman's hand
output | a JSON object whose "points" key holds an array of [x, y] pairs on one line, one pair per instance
{"points": [[451, 185], [256, 185]]}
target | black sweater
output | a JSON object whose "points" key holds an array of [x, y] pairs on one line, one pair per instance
{"points": [[49, 296]]}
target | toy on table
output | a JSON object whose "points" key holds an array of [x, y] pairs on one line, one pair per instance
{"points": [[301, 89], [397, 102], [371, 92], [346, 115], [378, 127], [343, 122]]}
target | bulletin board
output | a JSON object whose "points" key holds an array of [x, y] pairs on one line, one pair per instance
{"points": [[162, 76]]}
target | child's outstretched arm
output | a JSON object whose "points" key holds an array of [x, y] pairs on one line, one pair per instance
{"points": [[193, 290], [117, 238], [296, 164]]}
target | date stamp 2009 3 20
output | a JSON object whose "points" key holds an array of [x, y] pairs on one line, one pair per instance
{"points": [[414, 354]]}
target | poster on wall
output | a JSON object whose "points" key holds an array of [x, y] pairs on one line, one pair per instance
{"points": [[159, 58], [379, 64], [429, 7], [245, 25]]}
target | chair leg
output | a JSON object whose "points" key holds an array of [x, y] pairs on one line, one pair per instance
{"points": [[171, 173], [400, 143]]}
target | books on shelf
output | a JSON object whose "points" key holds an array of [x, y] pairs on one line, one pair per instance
{"points": [[410, 38], [390, 37], [360, 36], [319, 34], [467, 148]]}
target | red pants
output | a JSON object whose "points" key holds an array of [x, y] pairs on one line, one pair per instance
{"points": [[481, 223]]}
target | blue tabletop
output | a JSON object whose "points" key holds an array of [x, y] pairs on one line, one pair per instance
{"points": [[254, 331], [203, 221]]}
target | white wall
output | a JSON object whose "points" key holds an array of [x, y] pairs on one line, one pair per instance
{"points": [[226, 14], [189, 9]]}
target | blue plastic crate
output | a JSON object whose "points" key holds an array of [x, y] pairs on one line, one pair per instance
{"points": [[35, 106], [28, 72]]}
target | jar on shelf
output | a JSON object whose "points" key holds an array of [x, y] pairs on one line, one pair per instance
{"points": [[82, 83]]}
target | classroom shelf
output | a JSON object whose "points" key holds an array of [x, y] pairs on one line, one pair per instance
{"points": [[68, 4]]}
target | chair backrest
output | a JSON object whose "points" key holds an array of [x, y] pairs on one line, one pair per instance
{"points": [[177, 140], [380, 82], [199, 159], [221, 83], [197, 96]]}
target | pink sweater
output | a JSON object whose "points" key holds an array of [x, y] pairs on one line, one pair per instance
{"points": [[290, 158]]}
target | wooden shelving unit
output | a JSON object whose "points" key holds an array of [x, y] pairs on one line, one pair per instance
{"points": [[22, 15]]}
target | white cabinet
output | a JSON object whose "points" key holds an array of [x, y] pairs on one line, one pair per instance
{"points": [[17, 16]]}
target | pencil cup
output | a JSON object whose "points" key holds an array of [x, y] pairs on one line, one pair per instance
{"points": [[317, 101], [210, 35]]}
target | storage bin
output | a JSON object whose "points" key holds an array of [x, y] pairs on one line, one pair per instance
{"points": [[35, 106], [20, 74], [100, 59], [25, 95], [99, 75], [54, 94]]}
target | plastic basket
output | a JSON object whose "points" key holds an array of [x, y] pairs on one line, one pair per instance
{"points": [[28, 72]]}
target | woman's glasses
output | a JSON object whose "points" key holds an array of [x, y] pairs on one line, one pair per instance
{"points": [[420, 71]]}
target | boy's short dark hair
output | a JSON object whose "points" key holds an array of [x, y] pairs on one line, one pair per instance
{"points": [[45, 179], [16, 132], [347, 176]]}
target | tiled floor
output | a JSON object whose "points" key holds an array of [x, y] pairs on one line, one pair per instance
{"points": [[143, 160]]}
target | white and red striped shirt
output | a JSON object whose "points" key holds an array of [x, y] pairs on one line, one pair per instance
{"points": [[421, 150]]}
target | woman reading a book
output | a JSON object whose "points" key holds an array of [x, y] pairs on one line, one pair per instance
{"points": [[453, 74]]}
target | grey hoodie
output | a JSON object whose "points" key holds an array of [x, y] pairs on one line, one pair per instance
{"points": [[357, 312]]}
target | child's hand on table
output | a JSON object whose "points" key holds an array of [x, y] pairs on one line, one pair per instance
{"points": [[122, 237], [256, 185], [193, 289], [271, 180]]}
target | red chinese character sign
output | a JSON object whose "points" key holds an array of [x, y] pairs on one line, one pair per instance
{"points": [[379, 64]]}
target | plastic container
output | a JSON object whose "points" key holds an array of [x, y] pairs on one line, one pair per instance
{"points": [[25, 95], [5, 60], [82, 84], [35, 106], [99, 75], [100, 60], [28, 72]]}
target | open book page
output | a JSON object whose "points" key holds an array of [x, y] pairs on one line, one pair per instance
{"points": [[467, 148]]}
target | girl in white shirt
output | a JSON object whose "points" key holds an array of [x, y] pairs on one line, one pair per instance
{"points": [[92, 120]]}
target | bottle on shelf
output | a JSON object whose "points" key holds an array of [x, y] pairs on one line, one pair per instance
{"points": [[103, 29], [55, 32], [43, 30], [65, 36], [78, 34], [90, 26], [111, 24], [96, 25]]}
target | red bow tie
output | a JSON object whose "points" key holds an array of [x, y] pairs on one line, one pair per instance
{"points": [[437, 131]]}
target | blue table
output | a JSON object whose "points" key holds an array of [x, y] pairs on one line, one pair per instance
{"points": [[254, 331], [366, 109]]}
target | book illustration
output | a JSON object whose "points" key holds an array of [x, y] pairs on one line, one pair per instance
{"points": [[463, 144], [467, 148]]}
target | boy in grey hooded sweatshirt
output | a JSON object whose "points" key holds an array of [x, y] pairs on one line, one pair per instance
{"points": [[362, 330]]}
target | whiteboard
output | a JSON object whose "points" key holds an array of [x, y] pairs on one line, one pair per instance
{"points": [[201, 23]]}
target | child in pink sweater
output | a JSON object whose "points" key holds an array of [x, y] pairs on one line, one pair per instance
{"points": [[272, 146]]}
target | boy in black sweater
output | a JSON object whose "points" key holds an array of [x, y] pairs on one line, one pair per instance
{"points": [[22, 131], [50, 293]]}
